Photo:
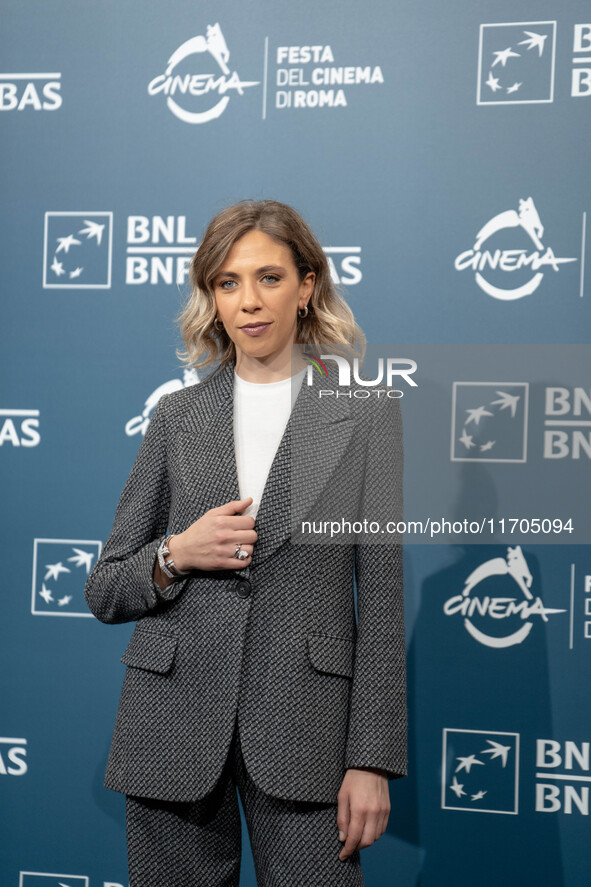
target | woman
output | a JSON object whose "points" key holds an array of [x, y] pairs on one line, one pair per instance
{"points": [[247, 667]]}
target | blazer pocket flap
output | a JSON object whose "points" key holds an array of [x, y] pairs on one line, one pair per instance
{"points": [[151, 650], [331, 653]]}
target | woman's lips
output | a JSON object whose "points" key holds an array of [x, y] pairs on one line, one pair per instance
{"points": [[255, 330]]}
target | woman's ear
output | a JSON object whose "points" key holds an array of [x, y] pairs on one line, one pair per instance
{"points": [[307, 284]]}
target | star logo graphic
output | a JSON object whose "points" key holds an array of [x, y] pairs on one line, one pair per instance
{"points": [[457, 789], [54, 570], [77, 252], [497, 751], [489, 421], [467, 763], [477, 414], [46, 594], [488, 762], [60, 568], [516, 62], [503, 56], [493, 82], [535, 41], [93, 229], [64, 243], [57, 267]]}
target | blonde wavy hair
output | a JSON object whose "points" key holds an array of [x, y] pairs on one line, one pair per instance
{"points": [[329, 319]]}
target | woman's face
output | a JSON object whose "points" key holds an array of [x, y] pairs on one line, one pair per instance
{"points": [[258, 289]]}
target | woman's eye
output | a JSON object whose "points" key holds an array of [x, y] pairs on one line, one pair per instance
{"points": [[227, 284], [271, 277]]}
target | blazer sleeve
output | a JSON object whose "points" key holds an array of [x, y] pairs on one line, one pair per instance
{"points": [[120, 587], [377, 732]]}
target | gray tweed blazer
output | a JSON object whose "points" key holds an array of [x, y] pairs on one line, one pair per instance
{"points": [[276, 644]]}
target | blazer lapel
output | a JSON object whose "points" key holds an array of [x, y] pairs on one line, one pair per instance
{"points": [[315, 438], [205, 443]]}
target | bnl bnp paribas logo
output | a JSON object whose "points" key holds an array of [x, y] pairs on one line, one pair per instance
{"points": [[517, 60], [78, 247], [19, 427], [491, 422], [198, 81], [481, 772], [508, 258], [40, 91], [516, 63], [60, 569], [13, 756], [77, 250]]}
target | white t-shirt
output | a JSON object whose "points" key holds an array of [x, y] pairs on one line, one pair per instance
{"points": [[261, 412]]}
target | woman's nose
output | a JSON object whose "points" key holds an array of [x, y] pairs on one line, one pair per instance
{"points": [[250, 295]]}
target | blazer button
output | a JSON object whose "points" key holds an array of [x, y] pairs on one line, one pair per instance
{"points": [[243, 588]]}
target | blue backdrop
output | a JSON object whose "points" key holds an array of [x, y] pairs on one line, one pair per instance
{"points": [[440, 152]]}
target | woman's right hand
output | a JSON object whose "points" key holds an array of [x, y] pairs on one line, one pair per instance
{"points": [[210, 542]]}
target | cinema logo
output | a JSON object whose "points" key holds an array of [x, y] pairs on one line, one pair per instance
{"points": [[493, 263], [562, 769], [389, 370], [199, 96], [26, 92], [489, 605], [139, 424]]}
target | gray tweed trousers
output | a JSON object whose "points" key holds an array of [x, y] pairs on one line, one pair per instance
{"points": [[198, 844]]}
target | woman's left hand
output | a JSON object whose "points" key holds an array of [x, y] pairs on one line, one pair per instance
{"points": [[363, 808]]}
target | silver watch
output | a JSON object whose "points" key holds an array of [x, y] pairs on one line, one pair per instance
{"points": [[166, 562]]}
